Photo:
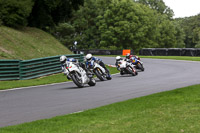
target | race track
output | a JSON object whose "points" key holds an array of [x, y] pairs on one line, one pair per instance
{"points": [[29, 104]]}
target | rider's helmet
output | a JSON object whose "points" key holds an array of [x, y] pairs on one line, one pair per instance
{"points": [[118, 58], [127, 56], [88, 57], [63, 59]]}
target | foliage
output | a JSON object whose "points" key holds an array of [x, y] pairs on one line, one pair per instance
{"points": [[100, 24], [64, 32], [44, 14], [14, 13], [118, 24], [128, 27], [48, 13], [191, 26], [159, 6]]}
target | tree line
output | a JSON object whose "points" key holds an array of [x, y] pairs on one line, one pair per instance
{"points": [[43, 14], [110, 24]]}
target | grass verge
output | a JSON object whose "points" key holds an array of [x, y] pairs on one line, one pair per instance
{"points": [[57, 78], [173, 111], [189, 58]]}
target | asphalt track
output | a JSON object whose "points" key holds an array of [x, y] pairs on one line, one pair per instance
{"points": [[34, 103]]}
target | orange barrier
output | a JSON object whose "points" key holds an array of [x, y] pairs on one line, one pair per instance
{"points": [[125, 51]]}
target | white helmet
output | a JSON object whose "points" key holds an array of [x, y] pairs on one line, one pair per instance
{"points": [[88, 57], [63, 58], [118, 58]]}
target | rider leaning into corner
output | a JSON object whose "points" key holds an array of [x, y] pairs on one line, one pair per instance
{"points": [[130, 58], [118, 58], [64, 60], [90, 58]]}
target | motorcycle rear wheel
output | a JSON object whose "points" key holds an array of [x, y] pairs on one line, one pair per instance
{"points": [[92, 82]]}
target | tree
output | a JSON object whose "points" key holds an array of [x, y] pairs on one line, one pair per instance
{"points": [[48, 13], [191, 29], [14, 13], [64, 32], [126, 24], [121, 24], [159, 6]]}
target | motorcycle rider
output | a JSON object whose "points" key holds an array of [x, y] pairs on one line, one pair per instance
{"points": [[90, 58], [131, 58], [64, 60], [118, 58]]}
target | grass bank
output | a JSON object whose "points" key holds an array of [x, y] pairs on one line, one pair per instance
{"points": [[173, 111], [28, 43], [56, 78]]}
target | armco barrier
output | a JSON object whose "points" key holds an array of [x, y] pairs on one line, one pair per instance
{"points": [[170, 52], [100, 52], [28, 69], [9, 69]]}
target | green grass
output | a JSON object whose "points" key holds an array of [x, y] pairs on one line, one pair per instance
{"points": [[56, 78], [28, 43], [189, 58], [167, 112]]}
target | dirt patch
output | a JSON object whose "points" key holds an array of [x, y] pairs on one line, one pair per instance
{"points": [[5, 51]]}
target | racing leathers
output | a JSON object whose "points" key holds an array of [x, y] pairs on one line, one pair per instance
{"points": [[63, 66], [117, 63], [97, 60], [133, 59]]}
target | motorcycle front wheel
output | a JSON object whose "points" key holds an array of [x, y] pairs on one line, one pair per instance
{"points": [[99, 74], [140, 66], [77, 80]]}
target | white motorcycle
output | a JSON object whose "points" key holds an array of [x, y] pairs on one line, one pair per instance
{"points": [[99, 71], [126, 68], [78, 75]]}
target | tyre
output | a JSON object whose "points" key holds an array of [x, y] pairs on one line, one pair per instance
{"points": [[76, 80], [99, 74], [140, 66], [121, 72], [130, 70], [92, 82], [108, 77]]}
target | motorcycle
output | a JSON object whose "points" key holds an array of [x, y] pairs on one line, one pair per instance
{"points": [[99, 71], [138, 64], [79, 75], [126, 68]]}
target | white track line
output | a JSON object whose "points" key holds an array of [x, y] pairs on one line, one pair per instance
{"points": [[39, 86]]}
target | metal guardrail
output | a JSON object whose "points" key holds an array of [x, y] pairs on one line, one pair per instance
{"points": [[9, 69], [34, 68]]}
